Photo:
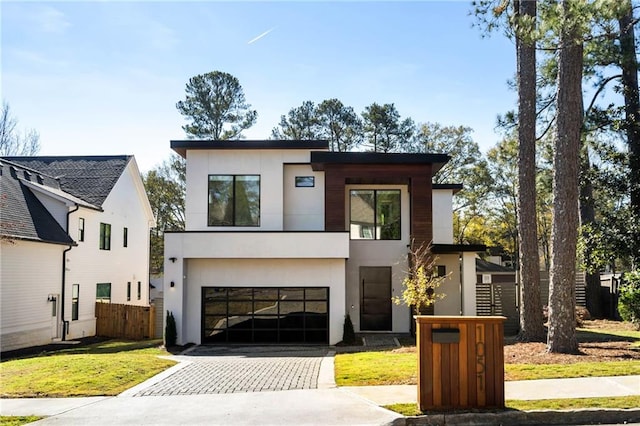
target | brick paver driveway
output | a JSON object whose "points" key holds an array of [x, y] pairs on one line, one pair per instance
{"points": [[215, 370]]}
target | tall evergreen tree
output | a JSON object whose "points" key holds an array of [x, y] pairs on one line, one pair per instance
{"points": [[564, 234], [216, 107]]}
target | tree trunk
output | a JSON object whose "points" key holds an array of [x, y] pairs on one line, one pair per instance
{"points": [[564, 234], [629, 65], [588, 216], [531, 321]]}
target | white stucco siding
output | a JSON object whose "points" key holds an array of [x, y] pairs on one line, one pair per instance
{"points": [[303, 206], [442, 200], [201, 273], [29, 273], [269, 164], [451, 287]]}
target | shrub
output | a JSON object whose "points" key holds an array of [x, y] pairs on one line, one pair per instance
{"points": [[170, 332], [348, 334], [629, 298]]}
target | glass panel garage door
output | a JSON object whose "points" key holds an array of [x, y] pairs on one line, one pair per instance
{"points": [[265, 315]]}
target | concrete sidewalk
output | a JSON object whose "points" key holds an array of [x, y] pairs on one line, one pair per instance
{"points": [[586, 387]]}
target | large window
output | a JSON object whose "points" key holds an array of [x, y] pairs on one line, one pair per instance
{"points": [[105, 236], [103, 292], [234, 200], [75, 297], [375, 214]]}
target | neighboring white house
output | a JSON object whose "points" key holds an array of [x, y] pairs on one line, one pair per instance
{"points": [[284, 238], [73, 230]]}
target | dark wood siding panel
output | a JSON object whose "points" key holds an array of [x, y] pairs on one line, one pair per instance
{"points": [[421, 210], [334, 206]]}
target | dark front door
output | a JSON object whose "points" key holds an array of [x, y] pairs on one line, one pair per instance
{"points": [[375, 298]]}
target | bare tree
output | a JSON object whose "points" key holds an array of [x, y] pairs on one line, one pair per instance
{"points": [[12, 141]]}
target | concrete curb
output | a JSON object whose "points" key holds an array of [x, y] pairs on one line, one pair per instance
{"points": [[538, 417]]}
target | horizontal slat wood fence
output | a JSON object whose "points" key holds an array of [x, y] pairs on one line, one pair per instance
{"points": [[125, 321]]}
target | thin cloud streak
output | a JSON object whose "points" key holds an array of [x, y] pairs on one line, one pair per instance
{"points": [[260, 36]]}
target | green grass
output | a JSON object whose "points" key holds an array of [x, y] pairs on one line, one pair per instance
{"points": [[375, 368], [393, 368], [107, 368], [18, 420], [620, 402], [563, 371]]}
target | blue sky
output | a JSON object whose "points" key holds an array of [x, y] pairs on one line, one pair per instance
{"points": [[104, 77]]}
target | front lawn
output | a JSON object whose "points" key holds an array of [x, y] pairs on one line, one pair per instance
{"points": [[106, 368], [620, 402], [606, 349]]}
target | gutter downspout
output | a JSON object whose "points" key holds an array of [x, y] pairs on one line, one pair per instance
{"points": [[65, 324]]}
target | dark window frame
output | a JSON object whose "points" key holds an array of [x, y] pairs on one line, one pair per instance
{"points": [[125, 237], [128, 291], [376, 213], [106, 299], [105, 236], [75, 301], [81, 229], [139, 290], [233, 200], [305, 181]]}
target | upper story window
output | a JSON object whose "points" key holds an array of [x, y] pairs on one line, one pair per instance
{"points": [[81, 229], [375, 214], [105, 236], [305, 181], [234, 200], [125, 237]]}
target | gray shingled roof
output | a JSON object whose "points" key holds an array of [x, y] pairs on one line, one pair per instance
{"points": [[22, 215], [482, 266], [90, 178]]}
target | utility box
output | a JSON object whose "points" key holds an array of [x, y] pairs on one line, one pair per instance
{"points": [[460, 362]]}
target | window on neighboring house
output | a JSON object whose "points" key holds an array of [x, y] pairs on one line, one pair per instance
{"points": [[375, 214], [81, 229], [139, 290], [128, 291], [234, 200], [442, 270], [103, 292], [105, 236], [75, 293], [125, 237]]}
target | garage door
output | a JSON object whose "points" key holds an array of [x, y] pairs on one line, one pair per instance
{"points": [[265, 315]]}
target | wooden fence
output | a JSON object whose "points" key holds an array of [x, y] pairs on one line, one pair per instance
{"points": [[125, 321]]}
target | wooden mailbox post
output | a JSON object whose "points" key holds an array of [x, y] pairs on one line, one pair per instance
{"points": [[460, 362]]}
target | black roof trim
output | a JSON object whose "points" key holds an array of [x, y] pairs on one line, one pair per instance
{"points": [[181, 146], [457, 248], [455, 187], [377, 158]]}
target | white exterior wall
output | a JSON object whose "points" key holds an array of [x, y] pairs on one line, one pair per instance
{"points": [[29, 273], [268, 163], [256, 273], [442, 200], [469, 283], [87, 265], [303, 207], [451, 304], [56, 208], [392, 253]]}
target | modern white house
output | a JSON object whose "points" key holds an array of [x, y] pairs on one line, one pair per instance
{"points": [[73, 230], [284, 238]]}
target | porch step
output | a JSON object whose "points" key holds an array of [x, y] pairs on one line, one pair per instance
{"points": [[380, 340]]}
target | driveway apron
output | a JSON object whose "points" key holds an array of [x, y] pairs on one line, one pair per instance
{"points": [[219, 370]]}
